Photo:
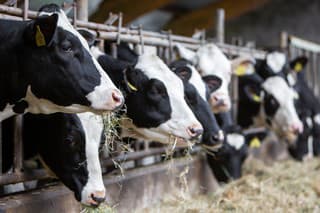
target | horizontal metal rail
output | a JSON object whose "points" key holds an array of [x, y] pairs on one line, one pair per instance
{"points": [[132, 35], [304, 44]]}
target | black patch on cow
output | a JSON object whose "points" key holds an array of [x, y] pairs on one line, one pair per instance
{"points": [[271, 105], [147, 106], [199, 107], [59, 139], [20, 107], [62, 71]]}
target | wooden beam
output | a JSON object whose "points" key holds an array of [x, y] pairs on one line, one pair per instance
{"points": [[205, 17], [131, 9]]}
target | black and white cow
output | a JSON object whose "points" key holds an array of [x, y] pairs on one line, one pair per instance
{"points": [[226, 163], [154, 97], [211, 61], [68, 145], [307, 105], [268, 102], [196, 95], [46, 67]]}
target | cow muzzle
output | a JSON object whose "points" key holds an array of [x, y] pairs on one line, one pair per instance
{"points": [[96, 198]]}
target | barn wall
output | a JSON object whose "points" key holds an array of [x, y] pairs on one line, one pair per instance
{"points": [[298, 17]]}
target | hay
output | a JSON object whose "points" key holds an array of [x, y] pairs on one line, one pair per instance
{"points": [[283, 187], [101, 209]]}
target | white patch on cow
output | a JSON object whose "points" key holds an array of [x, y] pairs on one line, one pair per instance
{"points": [[146, 49], [309, 122], [276, 61], [93, 127], [316, 119], [286, 115], [186, 53], [96, 52], [235, 140], [197, 82], [181, 117], [101, 96], [44, 106], [291, 79], [6, 112], [210, 60]]}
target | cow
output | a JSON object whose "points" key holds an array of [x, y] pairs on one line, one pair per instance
{"points": [[211, 61], [154, 97], [196, 95], [68, 145], [271, 104], [308, 106], [47, 67]]}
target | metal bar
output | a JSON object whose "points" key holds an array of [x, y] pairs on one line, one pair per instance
{"points": [[23, 176], [119, 28], [220, 16], [0, 148], [142, 154], [114, 50], [82, 10], [18, 145], [141, 39], [304, 44], [25, 9], [74, 20]]}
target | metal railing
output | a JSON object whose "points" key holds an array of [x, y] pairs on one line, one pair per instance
{"points": [[136, 35], [295, 46]]}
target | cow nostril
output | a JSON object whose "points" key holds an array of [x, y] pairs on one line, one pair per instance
{"points": [[195, 132], [116, 97], [98, 199]]}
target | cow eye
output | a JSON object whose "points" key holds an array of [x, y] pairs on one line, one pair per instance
{"points": [[66, 47]]}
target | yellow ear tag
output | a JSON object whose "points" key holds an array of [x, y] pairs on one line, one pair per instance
{"points": [[298, 67], [241, 70], [40, 40], [256, 98], [132, 87], [255, 143]]}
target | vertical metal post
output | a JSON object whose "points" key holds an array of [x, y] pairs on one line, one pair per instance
{"points": [[114, 50], [18, 144], [74, 13], [82, 10], [220, 18], [315, 73], [170, 46], [0, 148], [119, 28], [284, 40], [25, 9], [141, 39]]}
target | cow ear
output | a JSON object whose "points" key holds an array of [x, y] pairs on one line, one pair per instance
{"points": [[43, 30], [253, 93], [254, 140], [299, 63], [91, 38], [134, 79], [243, 65], [213, 82], [185, 53]]}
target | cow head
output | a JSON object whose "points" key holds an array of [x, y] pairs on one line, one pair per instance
{"points": [[70, 151], [62, 73], [154, 97], [277, 110], [226, 164], [196, 94], [209, 60]]}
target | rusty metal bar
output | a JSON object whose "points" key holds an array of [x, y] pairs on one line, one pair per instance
{"points": [[18, 144]]}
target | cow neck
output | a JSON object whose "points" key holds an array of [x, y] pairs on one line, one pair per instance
{"points": [[13, 85]]}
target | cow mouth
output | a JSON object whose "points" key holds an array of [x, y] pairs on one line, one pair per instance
{"points": [[220, 107], [290, 137], [212, 148]]}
